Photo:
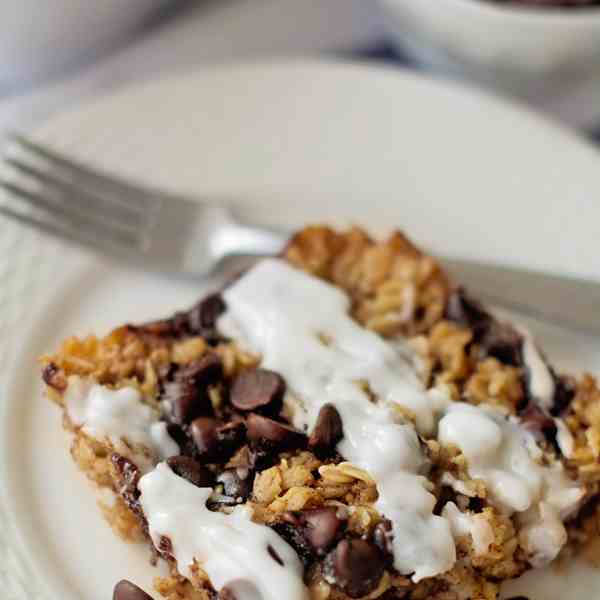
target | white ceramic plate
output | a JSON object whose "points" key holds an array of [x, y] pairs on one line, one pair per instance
{"points": [[548, 58], [462, 173]]}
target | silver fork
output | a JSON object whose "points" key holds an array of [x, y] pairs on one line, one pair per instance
{"points": [[154, 230], [166, 233]]}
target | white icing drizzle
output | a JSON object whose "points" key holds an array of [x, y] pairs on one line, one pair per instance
{"points": [[498, 452], [231, 548], [541, 382], [301, 327], [119, 415], [542, 534], [564, 438], [501, 453], [473, 524]]}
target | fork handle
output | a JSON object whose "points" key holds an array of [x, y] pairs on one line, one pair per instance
{"points": [[240, 239], [568, 301]]}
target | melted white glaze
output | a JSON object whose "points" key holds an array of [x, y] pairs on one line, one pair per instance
{"points": [[541, 534], [470, 524], [233, 550], [499, 452], [301, 326], [120, 416], [541, 382]]}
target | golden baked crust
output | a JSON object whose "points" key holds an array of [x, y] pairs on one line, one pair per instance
{"points": [[395, 289]]}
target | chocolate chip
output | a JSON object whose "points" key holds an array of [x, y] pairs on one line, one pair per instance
{"points": [[496, 339], [293, 535], [273, 553], [320, 527], [199, 320], [383, 538], [280, 435], [466, 311], [476, 504], [177, 433], [258, 390], [191, 470], [445, 495], [165, 547], [186, 445], [214, 442], [237, 483], [355, 566], [208, 369], [540, 425], [261, 455], [54, 377], [231, 435], [180, 324], [204, 315], [182, 400], [503, 342], [564, 392], [187, 395], [327, 432], [204, 434], [536, 421], [127, 477], [125, 590], [161, 328]]}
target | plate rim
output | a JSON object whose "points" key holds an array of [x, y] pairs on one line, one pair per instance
{"points": [[25, 346], [342, 64]]}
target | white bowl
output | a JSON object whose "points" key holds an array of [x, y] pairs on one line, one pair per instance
{"points": [[520, 50], [40, 36]]}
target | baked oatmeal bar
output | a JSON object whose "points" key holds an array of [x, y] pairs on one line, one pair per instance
{"points": [[341, 421]]}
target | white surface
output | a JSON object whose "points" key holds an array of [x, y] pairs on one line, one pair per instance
{"points": [[37, 37], [365, 145], [202, 34], [206, 32], [268, 306], [550, 58], [235, 552]]}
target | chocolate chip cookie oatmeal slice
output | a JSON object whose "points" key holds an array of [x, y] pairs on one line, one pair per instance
{"points": [[340, 422]]}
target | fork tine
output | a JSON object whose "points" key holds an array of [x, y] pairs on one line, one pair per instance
{"points": [[80, 200], [76, 170], [89, 226], [70, 234]]}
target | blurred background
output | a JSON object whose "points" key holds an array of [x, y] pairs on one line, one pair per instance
{"points": [[55, 54]]}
